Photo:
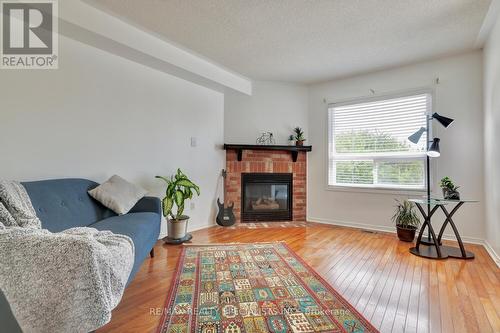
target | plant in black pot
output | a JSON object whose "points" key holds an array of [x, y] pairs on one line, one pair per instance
{"points": [[406, 220], [449, 189], [179, 189]]}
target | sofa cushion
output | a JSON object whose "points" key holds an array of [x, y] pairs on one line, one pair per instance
{"points": [[143, 228], [64, 203], [118, 194]]}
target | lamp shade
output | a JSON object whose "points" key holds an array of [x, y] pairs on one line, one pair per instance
{"points": [[434, 149], [415, 137], [445, 121]]}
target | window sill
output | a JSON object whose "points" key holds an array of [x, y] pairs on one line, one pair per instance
{"points": [[376, 190]]}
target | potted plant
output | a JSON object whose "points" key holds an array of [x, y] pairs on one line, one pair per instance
{"points": [[291, 140], [449, 189], [179, 189], [406, 220], [299, 136]]}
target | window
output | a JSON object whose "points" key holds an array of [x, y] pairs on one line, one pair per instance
{"points": [[368, 143]]}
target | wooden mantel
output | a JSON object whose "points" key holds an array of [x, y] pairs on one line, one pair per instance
{"points": [[294, 150]]}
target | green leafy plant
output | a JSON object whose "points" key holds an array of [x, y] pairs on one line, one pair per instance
{"points": [[299, 134], [179, 189], [405, 216], [291, 137], [447, 183]]}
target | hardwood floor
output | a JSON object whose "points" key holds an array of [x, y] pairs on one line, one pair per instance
{"points": [[395, 290]]}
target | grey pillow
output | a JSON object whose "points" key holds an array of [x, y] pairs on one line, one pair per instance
{"points": [[118, 194]]}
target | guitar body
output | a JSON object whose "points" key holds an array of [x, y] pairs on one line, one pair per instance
{"points": [[225, 217]]}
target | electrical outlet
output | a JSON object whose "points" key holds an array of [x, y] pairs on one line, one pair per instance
{"points": [[192, 205], [194, 142]]}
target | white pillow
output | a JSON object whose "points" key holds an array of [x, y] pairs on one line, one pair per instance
{"points": [[118, 194]]}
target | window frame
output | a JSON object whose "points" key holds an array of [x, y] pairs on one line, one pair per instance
{"points": [[378, 188]]}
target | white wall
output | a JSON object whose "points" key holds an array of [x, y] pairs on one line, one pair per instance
{"points": [[273, 107], [492, 137], [99, 115], [459, 96]]}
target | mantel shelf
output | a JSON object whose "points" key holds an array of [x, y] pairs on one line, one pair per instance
{"points": [[294, 150]]}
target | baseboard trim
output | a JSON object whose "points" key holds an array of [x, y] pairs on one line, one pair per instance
{"points": [[191, 229], [471, 240], [491, 252], [201, 227], [351, 224]]}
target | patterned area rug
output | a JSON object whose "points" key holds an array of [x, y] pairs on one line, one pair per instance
{"points": [[253, 288]]}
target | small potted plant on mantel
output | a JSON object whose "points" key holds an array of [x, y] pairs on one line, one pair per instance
{"points": [[406, 220], [299, 136], [179, 189], [449, 189]]}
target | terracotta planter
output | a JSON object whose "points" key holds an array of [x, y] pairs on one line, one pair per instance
{"points": [[406, 234], [177, 229], [299, 143]]}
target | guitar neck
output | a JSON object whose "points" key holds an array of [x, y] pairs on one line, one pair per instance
{"points": [[224, 176]]}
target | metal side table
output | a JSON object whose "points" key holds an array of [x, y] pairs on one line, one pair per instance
{"points": [[433, 248]]}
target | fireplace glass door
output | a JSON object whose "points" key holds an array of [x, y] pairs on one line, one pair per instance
{"points": [[266, 197]]}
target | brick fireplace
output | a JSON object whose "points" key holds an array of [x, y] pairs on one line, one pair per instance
{"points": [[259, 162]]}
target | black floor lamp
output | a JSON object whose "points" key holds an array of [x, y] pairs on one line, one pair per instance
{"points": [[432, 151]]}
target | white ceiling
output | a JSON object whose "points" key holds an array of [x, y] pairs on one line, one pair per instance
{"points": [[310, 40]]}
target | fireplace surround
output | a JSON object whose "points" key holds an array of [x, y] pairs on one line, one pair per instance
{"points": [[244, 159]]}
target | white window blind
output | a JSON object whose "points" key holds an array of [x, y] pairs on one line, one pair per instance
{"points": [[368, 142]]}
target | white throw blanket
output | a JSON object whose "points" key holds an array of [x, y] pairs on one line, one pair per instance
{"points": [[16, 209], [58, 282]]}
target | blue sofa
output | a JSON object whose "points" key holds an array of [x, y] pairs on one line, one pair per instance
{"points": [[64, 203]]}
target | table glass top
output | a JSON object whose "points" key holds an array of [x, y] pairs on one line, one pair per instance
{"points": [[438, 201]]}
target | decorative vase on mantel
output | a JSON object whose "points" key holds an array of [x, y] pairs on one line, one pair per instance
{"points": [[299, 143]]}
